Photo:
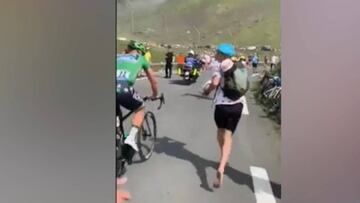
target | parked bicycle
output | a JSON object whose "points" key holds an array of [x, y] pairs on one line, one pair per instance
{"points": [[269, 95], [146, 138]]}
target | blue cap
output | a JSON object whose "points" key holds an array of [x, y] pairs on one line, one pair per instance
{"points": [[226, 49]]}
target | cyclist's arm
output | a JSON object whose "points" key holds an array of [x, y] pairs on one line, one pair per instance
{"points": [[151, 76]]}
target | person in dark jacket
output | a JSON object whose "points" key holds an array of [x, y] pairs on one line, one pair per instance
{"points": [[168, 62]]}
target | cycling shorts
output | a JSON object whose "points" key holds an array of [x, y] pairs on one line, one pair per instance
{"points": [[129, 99]]}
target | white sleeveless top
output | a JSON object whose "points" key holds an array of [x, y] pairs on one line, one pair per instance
{"points": [[220, 99]]}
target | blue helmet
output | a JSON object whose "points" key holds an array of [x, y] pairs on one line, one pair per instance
{"points": [[226, 49]]}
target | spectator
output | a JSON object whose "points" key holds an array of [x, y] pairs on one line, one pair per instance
{"points": [[168, 62], [180, 59], [255, 62], [266, 60], [148, 55], [227, 112], [274, 60]]}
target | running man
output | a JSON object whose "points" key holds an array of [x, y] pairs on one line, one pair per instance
{"points": [[227, 112]]}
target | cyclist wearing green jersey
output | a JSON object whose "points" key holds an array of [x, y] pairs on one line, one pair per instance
{"points": [[127, 68]]}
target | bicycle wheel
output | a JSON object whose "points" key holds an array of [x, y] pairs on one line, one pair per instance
{"points": [[147, 138]]}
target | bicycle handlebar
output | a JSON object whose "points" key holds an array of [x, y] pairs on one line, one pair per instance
{"points": [[161, 98]]}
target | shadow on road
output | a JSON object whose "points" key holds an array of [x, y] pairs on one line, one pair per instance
{"points": [[177, 149], [180, 82], [199, 96], [138, 158]]}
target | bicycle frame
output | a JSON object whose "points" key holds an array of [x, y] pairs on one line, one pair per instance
{"points": [[120, 159], [268, 93], [123, 118]]}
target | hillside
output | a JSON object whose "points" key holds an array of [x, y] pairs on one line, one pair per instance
{"points": [[244, 22]]}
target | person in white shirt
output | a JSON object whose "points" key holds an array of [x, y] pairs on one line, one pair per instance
{"points": [[274, 60], [211, 65], [227, 112]]}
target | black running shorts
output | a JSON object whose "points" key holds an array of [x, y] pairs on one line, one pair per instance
{"points": [[228, 116]]}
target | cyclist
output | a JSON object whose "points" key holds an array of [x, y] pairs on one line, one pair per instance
{"points": [[127, 68]]}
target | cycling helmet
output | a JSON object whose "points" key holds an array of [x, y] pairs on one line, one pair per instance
{"points": [[192, 52], [137, 46], [226, 49]]}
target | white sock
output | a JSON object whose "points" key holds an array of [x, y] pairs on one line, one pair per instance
{"points": [[131, 138]]}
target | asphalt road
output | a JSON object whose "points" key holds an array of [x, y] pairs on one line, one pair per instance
{"points": [[183, 167]]}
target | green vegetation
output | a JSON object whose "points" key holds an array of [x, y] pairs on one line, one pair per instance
{"points": [[244, 22]]}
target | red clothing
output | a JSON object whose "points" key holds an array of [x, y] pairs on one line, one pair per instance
{"points": [[180, 59]]}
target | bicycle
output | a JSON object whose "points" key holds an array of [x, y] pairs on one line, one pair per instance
{"points": [[269, 95], [272, 93], [147, 133]]}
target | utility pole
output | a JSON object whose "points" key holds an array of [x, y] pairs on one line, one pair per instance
{"points": [[199, 34], [188, 32], [132, 21], [165, 27]]}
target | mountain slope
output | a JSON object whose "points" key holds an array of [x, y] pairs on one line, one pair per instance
{"points": [[244, 22]]}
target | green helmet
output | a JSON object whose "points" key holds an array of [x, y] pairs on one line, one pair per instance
{"points": [[137, 46]]}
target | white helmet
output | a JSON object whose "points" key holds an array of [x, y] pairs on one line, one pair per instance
{"points": [[192, 52]]}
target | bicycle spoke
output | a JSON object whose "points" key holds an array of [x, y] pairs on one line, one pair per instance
{"points": [[147, 139]]}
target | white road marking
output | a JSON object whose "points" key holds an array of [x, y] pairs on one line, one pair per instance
{"points": [[262, 187]]}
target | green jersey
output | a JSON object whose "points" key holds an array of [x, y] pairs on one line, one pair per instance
{"points": [[128, 66]]}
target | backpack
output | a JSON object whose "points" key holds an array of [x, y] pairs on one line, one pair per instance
{"points": [[236, 82]]}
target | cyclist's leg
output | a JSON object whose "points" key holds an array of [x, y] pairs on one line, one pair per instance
{"points": [[132, 101], [138, 117]]}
